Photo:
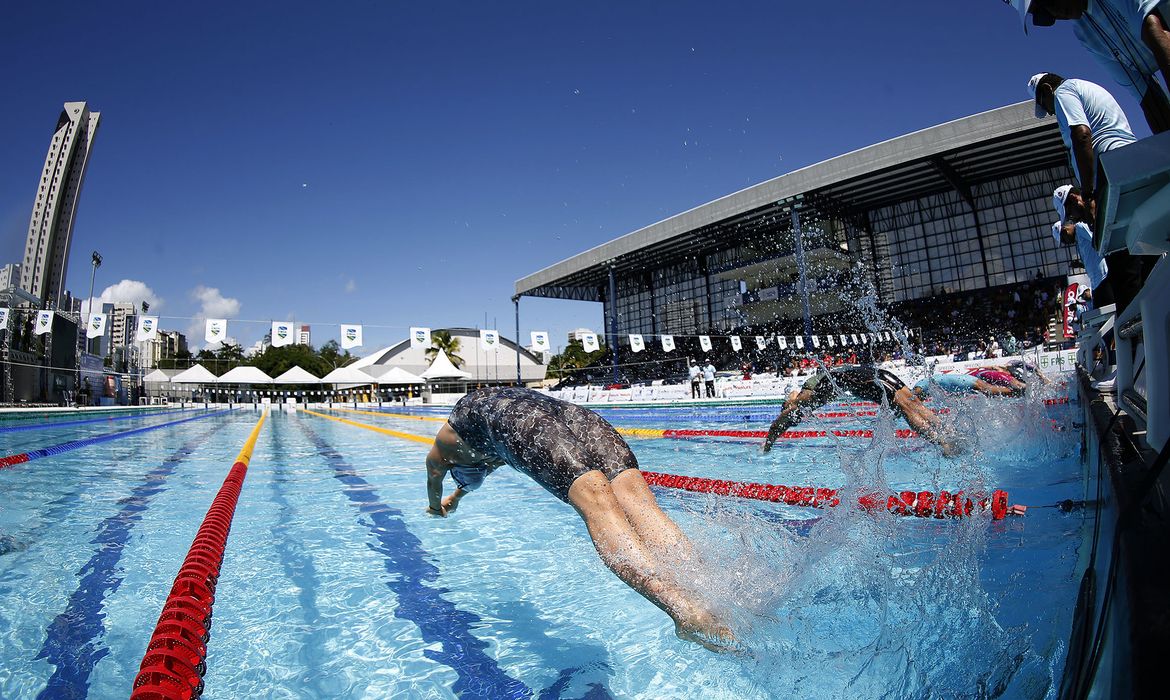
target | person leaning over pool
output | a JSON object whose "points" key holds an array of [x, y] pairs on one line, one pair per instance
{"points": [[579, 457]]}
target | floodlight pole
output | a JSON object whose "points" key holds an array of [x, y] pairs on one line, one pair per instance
{"points": [[516, 303], [801, 265], [613, 322]]}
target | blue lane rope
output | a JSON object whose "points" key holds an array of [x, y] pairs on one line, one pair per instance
{"points": [[85, 442], [48, 426]]}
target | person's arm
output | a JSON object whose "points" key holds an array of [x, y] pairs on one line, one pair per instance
{"points": [[436, 470], [1082, 148], [789, 415]]}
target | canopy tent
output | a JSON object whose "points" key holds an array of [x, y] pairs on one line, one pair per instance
{"points": [[245, 375], [157, 376], [296, 375], [442, 368], [394, 375], [347, 375], [196, 374]]}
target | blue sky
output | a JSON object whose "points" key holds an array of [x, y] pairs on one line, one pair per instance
{"points": [[399, 164]]}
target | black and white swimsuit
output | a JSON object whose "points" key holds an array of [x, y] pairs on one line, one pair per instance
{"points": [[550, 440]]}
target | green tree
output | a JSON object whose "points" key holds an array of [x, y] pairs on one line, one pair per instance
{"points": [[276, 361], [573, 357], [442, 340], [331, 353]]}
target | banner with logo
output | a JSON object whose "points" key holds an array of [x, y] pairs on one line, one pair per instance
{"points": [[420, 337], [1072, 308], [216, 330], [782, 342], [864, 339], [540, 341], [832, 343], [853, 336], [489, 340], [637, 344], [282, 334], [351, 336], [44, 322], [147, 328], [667, 343], [589, 342], [96, 327], [816, 342], [3, 318], [735, 344], [760, 342], [844, 342], [705, 343]]}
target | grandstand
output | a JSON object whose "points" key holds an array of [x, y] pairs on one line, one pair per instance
{"points": [[954, 217]]}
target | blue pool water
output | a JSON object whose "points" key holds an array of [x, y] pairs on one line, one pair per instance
{"points": [[336, 584]]}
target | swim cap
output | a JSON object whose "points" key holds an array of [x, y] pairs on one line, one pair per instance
{"points": [[1058, 197]]}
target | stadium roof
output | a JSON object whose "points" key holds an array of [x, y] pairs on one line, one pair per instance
{"points": [[951, 156]]}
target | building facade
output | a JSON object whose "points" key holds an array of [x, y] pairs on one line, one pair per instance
{"points": [[50, 229]]}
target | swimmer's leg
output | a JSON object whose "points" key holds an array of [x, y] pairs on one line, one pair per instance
{"points": [[624, 552], [661, 535]]}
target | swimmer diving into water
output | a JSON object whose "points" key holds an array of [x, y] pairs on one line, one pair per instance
{"points": [[577, 456], [865, 382]]}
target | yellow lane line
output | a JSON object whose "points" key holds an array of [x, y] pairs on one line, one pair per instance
{"points": [[641, 432], [390, 415], [393, 433], [245, 455]]}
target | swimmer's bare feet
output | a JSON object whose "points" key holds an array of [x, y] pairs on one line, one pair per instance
{"points": [[704, 628]]}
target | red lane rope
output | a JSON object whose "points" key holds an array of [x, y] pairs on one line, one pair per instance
{"points": [[787, 435], [919, 504], [176, 656]]}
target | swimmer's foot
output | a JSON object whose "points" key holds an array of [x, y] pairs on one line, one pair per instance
{"points": [[705, 629]]}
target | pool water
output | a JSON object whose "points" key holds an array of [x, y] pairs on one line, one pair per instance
{"points": [[337, 584]]}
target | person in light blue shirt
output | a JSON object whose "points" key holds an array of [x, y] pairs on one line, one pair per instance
{"points": [[1128, 38], [1091, 123], [1070, 230]]}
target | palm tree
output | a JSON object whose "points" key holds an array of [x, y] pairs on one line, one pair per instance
{"points": [[442, 340]]}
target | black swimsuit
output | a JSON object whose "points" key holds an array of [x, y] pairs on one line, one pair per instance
{"points": [[550, 440]]}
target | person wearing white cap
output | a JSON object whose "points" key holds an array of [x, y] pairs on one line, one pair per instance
{"points": [[1129, 38], [1090, 120], [1072, 229]]}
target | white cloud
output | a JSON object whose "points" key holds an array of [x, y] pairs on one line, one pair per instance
{"points": [[212, 304], [132, 291]]}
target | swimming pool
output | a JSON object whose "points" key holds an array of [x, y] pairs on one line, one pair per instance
{"points": [[336, 584]]}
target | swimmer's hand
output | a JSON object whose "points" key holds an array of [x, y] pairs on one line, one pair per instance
{"points": [[440, 513], [450, 503]]}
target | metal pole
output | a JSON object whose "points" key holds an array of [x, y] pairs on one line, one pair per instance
{"points": [[800, 264], [613, 325], [516, 303]]}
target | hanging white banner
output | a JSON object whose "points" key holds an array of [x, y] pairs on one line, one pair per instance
{"points": [[854, 337], [147, 328], [3, 318], [667, 343], [282, 334], [864, 339], [782, 342], [351, 336], [489, 340], [843, 341], [735, 344], [637, 344], [589, 342], [96, 327], [800, 342], [44, 322], [540, 341], [760, 342], [832, 342], [705, 343], [816, 342], [216, 330], [420, 337]]}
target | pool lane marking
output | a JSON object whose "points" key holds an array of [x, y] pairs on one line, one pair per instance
{"points": [[376, 429], [72, 641], [170, 660], [12, 460], [437, 619], [47, 426], [391, 415]]}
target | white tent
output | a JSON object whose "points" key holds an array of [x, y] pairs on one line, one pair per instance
{"points": [[196, 374], [245, 375], [296, 375], [157, 376], [397, 375], [347, 375], [442, 368]]}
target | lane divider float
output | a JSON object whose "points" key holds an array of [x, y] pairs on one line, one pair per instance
{"points": [[13, 460], [391, 415], [757, 434], [376, 429], [107, 419], [176, 655]]}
